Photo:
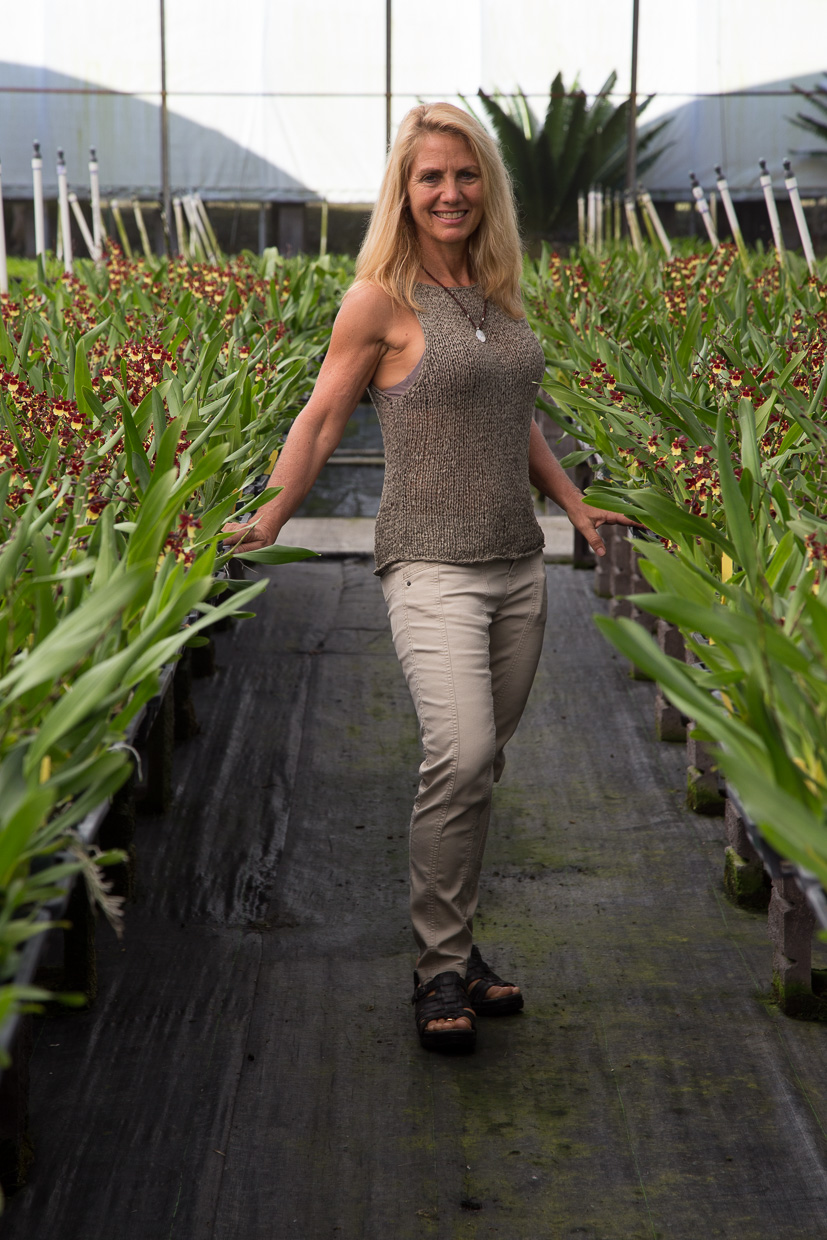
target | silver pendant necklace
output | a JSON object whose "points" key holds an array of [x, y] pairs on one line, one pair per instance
{"points": [[480, 334]]}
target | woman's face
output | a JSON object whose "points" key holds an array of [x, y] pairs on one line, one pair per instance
{"points": [[445, 189]]}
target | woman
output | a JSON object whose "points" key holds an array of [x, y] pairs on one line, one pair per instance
{"points": [[434, 325]]}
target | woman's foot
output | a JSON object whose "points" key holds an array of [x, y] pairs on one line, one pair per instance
{"points": [[444, 1015], [489, 994]]}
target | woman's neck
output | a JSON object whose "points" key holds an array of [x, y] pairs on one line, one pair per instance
{"points": [[446, 265]]}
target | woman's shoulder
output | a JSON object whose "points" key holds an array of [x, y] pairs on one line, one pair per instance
{"points": [[365, 297], [370, 309]]}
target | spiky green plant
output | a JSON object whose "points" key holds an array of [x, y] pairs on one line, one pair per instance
{"points": [[575, 147], [811, 124]]}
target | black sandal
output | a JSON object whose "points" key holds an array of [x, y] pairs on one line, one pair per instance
{"points": [[478, 971], [444, 998]]}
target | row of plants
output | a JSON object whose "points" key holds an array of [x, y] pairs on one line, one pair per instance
{"points": [[699, 391], [138, 400]]}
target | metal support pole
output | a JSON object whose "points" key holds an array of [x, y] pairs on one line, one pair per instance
{"points": [[65, 217], [37, 190], [4, 270], [388, 7], [631, 120], [166, 202]]}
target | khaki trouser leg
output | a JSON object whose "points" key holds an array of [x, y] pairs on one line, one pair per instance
{"points": [[468, 638]]}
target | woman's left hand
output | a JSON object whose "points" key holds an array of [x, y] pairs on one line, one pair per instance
{"points": [[586, 519]]}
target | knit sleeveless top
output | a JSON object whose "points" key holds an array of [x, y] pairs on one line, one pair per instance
{"points": [[456, 484]]}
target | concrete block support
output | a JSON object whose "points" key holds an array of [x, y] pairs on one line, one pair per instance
{"points": [[790, 924], [703, 791], [639, 585], [603, 568], [620, 580], [746, 882], [670, 724]]}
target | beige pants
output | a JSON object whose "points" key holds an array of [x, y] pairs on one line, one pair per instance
{"points": [[468, 638]]}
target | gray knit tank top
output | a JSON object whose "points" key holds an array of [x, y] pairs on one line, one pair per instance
{"points": [[456, 443]]}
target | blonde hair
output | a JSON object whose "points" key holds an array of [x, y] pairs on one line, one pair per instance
{"points": [[390, 256]]}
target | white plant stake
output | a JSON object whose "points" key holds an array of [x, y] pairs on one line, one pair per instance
{"points": [[581, 220], [97, 218], [4, 270], [702, 206], [649, 207], [207, 228], [800, 218], [139, 221], [65, 220], [772, 210], [598, 219], [82, 225], [197, 236], [115, 208], [591, 221], [180, 231], [631, 220], [729, 207], [37, 188]]}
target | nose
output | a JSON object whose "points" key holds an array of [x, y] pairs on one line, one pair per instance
{"points": [[451, 190]]}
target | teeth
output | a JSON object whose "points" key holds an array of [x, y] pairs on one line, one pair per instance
{"points": [[450, 215]]}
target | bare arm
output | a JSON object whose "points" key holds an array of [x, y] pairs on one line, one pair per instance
{"points": [[549, 477], [356, 347]]}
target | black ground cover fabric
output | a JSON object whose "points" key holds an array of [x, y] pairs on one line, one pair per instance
{"points": [[251, 1069]]}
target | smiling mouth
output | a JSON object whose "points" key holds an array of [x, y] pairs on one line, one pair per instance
{"points": [[450, 215]]}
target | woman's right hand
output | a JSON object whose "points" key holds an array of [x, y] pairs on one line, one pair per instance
{"points": [[251, 536]]}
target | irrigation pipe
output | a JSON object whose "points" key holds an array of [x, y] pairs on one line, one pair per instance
{"points": [[97, 218], [65, 218], [772, 210], [800, 218], [729, 207], [702, 207], [37, 196], [4, 270]]}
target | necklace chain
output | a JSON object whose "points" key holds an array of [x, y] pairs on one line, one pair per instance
{"points": [[477, 326]]}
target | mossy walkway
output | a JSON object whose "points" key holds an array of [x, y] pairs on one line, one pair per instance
{"points": [[251, 1071]]}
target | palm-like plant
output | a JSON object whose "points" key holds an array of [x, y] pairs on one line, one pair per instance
{"points": [[812, 124], [577, 146]]}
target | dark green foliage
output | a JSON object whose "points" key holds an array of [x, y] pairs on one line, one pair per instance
{"points": [[818, 98], [576, 147]]}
